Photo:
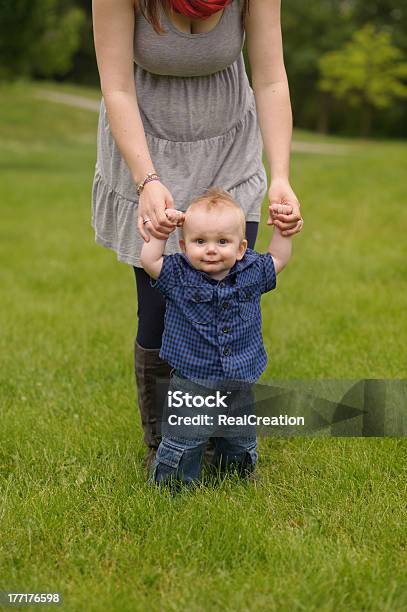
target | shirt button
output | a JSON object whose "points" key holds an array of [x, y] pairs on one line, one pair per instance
{"points": [[197, 297], [226, 330], [222, 284], [225, 305], [226, 351]]}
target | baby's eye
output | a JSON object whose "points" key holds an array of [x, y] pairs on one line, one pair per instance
{"points": [[199, 240], [223, 241]]}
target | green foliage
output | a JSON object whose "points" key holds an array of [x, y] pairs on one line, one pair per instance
{"points": [[38, 37], [313, 28], [49, 38], [310, 29], [390, 15], [366, 70]]}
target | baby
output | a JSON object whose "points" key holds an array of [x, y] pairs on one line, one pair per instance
{"points": [[212, 336]]}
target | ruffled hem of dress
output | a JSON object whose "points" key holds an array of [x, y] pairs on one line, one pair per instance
{"points": [[114, 218]]}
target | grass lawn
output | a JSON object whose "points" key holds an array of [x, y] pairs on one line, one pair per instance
{"points": [[325, 526]]}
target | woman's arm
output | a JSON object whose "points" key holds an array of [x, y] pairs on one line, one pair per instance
{"points": [[271, 91], [269, 82], [113, 28]]}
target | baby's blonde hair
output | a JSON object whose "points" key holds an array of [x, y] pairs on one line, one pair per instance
{"points": [[216, 198]]}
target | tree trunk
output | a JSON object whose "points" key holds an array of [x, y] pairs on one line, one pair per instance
{"points": [[323, 115], [366, 120]]}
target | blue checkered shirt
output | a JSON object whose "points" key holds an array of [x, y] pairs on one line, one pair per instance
{"points": [[212, 328]]}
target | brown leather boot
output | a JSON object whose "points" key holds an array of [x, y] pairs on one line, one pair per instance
{"points": [[148, 367]]}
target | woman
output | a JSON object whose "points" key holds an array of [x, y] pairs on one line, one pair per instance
{"points": [[178, 116]]}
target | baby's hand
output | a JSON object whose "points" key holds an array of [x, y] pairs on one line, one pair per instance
{"points": [[280, 209], [175, 216]]}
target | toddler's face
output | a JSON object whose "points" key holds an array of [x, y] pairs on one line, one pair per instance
{"points": [[213, 240]]}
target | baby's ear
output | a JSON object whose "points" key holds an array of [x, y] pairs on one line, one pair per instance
{"points": [[242, 249], [182, 244]]}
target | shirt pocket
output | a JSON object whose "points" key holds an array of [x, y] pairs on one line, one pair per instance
{"points": [[198, 304], [248, 299]]}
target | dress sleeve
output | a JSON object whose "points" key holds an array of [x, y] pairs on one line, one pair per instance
{"points": [[267, 273], [167, 278]]}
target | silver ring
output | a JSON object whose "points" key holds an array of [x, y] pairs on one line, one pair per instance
{"points": [[146, 221]]}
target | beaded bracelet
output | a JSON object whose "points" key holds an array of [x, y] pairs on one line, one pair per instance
{"points": [[151, 176]]}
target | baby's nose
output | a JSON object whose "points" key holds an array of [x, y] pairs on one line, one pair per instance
{"points": [[211, 247]]}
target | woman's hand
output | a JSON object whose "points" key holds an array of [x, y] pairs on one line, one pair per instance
{"points": [[153, 201], [280, 192]]}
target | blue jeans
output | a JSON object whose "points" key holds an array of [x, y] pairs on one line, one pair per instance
{"points": [[181, 450], [180, 459]]}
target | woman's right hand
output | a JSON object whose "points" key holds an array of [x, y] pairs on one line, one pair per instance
{"points": [[153, 201]]}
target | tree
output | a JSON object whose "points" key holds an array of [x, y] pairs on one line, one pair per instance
{"points": [[367, 73], [38, 37], [389, 15], [311, 29]]}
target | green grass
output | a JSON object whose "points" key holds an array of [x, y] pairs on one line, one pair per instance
{"points": [[69, 88], [323, 529]]}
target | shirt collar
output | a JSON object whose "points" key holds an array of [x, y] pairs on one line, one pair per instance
{"points": [[247, 260]]}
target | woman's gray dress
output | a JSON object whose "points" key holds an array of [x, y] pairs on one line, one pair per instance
{"points": [[200, 120]]}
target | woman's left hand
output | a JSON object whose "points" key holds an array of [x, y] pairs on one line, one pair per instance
{"points": [[280, 192]]}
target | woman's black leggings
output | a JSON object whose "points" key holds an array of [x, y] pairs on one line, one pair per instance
{"points": [[151, 302]]}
